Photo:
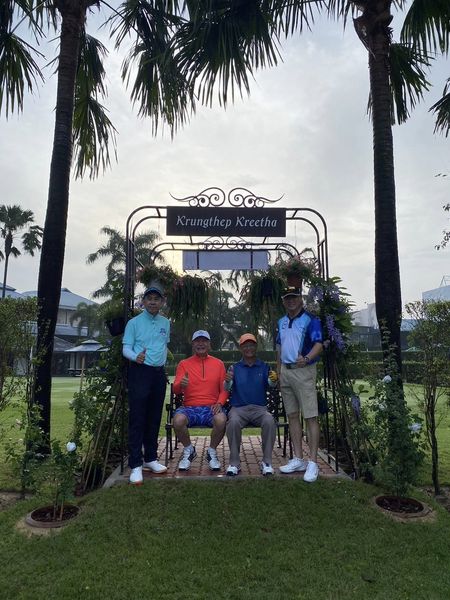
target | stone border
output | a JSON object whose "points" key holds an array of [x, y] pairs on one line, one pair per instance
{"points": [[427, 515]]}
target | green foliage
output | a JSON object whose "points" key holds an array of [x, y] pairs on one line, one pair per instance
{"points": [[431, 335], [17, 318], [97, 416], [56, 475], [393, 449]]}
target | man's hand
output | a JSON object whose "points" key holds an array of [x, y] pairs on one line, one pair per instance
{"points": [[302, 361], [141, 356], [184, 382], [230, 374], [273, 376], [216, 408]]}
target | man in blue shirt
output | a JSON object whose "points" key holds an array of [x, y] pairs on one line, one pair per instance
{"points": [[145, 345], [299, 345], [248, 381]]}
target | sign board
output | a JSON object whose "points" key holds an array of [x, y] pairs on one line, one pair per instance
{"points": [[208, 260], [253, 222]]}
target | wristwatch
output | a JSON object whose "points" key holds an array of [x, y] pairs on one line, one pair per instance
{"points": [[306, 358]]}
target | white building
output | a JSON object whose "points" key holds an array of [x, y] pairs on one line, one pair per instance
{"points": [[440, 293]]}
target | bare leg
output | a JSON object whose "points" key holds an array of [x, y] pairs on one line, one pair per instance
{"points": [[180, 427], [312, 427], [295, 430], [218, 429]]}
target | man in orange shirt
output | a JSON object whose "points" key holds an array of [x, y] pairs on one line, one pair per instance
{"points": [[200, 379]]}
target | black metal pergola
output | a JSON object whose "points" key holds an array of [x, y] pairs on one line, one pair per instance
{"points": [[244, 200]]}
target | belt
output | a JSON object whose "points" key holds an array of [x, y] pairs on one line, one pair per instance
{"points": [[291, 365], [161, 368]]}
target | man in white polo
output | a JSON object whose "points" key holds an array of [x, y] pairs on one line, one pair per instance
{"points": [[299, 345]]}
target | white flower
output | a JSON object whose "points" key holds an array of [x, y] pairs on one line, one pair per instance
{"points": [[71, 446], [415, 427], [387, 379], [382, 406], [71, 402], [18, 422]]}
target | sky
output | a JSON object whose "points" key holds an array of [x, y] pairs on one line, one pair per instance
{"points": [[303, 134]]}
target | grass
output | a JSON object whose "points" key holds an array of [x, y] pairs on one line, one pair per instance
{"points": [[239, 539]]}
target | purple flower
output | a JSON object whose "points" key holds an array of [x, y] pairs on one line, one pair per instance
{"points": [[334, 333], [356, 405]]}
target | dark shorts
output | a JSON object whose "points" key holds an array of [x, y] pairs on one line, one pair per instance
{"points": [[197, 416]]}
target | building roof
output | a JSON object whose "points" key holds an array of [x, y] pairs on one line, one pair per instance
{"points": [[11, 292], [68, 299], [61, 345]]}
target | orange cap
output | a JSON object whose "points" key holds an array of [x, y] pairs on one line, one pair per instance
{"points": [[247, 337]]}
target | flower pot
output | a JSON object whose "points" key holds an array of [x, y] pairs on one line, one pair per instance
{"points": [[43, 516], [116, 326]]}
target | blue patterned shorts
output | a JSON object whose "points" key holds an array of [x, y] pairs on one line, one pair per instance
{"points": [[197, 416]]}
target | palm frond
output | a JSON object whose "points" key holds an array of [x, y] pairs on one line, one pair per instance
{"points": [[442, 111], [92, 129], [18, 70], [160, 89], [223, 43], [427, 25], [408, 79]]}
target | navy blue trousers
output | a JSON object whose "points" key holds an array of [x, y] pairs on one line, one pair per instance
{"points": [[146, 393]]}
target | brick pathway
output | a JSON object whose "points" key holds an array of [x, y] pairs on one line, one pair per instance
{"points": [[251, 456]]}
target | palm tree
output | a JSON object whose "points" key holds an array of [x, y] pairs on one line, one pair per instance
{"points": [[86, 315], [13, 221], [81, 122], [114, 250]]}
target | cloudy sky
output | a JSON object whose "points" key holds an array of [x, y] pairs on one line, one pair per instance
{"points": [[303, 134]]}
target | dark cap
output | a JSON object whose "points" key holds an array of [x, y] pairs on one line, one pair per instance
{"points": [[291, 291], [154, 287]]}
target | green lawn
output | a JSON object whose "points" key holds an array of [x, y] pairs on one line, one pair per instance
{"points": [[239, 539]]}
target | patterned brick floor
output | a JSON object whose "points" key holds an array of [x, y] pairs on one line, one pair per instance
{"points": [[251, 456]]}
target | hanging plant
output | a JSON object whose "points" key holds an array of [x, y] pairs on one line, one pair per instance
{"points": [[188, 298], [297, 269], [151, 272], [262, 294]]}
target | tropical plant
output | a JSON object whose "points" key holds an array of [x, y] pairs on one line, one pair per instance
{"points": [[13, 221], [446, 233], [431, 335], [87, 316], [114, 250]]}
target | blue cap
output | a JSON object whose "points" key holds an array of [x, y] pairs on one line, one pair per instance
{"points": [[154, 287]]}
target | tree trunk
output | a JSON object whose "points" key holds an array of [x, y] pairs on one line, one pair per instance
{"points": [[387, 271], [5, 274], [54, 237]]}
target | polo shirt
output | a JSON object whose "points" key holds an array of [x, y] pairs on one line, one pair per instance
{"points": [[249, 383], [298, 335], [206, 379], [151, 332]]}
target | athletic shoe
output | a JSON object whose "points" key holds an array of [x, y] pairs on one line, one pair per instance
{"points": [[213, 461], [266, 469], [312, 472], [187, 458], [155, 467], [136, 476], [232, 471], [295, 464]]}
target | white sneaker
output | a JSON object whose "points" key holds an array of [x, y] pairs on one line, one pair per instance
{"points": [[155, 466], [295, 464], [136, 476], [232, 470], [266, 469], [213, 461], [312, 472], [188, 456]]}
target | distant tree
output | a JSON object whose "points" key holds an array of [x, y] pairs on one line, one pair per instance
{"points": [[86, 315], [114, 250], [13, 222], [446, 239], [431, 335]]}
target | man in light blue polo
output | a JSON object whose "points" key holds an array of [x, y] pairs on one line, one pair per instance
{"points": [[299, 345], [145, 346]]}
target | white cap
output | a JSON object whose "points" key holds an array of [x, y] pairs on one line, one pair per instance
{"points": [[200, 333]]}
